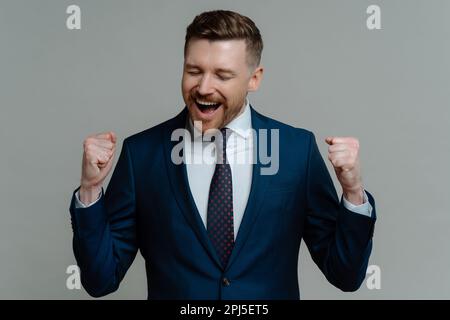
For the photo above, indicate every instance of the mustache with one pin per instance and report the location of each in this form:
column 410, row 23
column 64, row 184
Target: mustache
column 206, row 98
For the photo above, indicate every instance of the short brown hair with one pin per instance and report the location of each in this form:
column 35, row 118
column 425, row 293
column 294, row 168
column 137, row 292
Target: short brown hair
column 227, row 25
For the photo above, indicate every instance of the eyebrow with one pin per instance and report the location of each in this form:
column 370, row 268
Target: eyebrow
column 219, row 70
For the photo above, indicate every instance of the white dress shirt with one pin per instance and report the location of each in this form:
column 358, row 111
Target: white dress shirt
column 239, row 146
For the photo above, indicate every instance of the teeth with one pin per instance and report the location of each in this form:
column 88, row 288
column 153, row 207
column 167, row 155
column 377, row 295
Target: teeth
column 206, row 103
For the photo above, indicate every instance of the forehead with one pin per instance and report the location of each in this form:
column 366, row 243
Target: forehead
column 217, row 53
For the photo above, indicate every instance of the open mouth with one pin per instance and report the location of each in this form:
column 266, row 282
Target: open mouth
column 206, row 106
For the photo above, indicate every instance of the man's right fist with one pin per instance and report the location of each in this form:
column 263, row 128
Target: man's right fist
column 98, row 157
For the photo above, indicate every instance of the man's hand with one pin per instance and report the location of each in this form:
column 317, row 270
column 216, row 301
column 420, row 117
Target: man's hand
column 343, row 153
column 98, row 158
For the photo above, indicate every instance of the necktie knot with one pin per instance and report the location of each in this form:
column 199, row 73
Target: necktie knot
column 223, row 148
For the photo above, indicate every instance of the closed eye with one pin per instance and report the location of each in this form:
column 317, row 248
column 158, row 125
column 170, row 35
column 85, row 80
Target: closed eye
column 223, row 78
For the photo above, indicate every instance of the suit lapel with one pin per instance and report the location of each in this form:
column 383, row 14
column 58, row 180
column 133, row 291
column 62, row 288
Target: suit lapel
column 180, row 185
column 256, row 196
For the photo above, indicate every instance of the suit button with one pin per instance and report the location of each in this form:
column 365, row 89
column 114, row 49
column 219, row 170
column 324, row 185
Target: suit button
column 226, row 282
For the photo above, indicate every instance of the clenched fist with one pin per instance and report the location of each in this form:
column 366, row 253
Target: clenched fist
column 343, row 153
column 98, row 156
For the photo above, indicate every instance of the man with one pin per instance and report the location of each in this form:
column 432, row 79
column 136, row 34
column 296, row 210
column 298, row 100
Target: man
column 220, row 230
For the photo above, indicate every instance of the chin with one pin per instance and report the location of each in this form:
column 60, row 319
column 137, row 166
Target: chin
column 212, row 121
column 209, row 125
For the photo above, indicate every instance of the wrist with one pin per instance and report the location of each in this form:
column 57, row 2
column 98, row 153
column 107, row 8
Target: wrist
column 89, row 194
column 354, row 196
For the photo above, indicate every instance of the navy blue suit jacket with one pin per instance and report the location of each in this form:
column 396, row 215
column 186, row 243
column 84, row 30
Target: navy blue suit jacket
column 148, row 206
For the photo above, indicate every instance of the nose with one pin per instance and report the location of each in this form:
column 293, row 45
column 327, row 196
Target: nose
column 205, row 86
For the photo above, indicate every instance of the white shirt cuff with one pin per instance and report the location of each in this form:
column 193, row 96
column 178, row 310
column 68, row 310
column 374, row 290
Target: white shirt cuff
column 365, row 209
column 79, row 204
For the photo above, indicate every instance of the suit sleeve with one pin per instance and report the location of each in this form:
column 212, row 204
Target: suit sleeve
column 104, row 234
column 339, row 240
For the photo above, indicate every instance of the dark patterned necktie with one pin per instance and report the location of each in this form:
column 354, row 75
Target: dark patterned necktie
column 220, row 225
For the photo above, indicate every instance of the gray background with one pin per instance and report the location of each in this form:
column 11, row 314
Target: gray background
column 324, row 71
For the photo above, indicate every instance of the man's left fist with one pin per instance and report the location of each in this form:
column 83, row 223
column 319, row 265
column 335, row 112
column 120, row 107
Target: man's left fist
column 343, row 153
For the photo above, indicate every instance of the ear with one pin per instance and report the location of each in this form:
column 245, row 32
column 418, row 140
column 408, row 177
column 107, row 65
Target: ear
column 255, row 79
